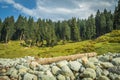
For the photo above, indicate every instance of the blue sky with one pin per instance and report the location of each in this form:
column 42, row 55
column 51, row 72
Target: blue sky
column 53, row 9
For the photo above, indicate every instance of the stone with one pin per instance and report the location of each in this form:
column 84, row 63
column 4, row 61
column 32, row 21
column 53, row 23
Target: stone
column 98, row 71
column 28, row 76
column 116, row 61
column 60, row 77
column 113, row 76
column 103, row 78
column 106, row 64
column 82, row 69
column 12, row 72
column 4, row 78
column 33, row 65
column 67, row 72
column 93, row 60
column 61, row 63
column 90, row 65
column 74, row 65
column 55, row 70
column 115, row 69
column 87, row 79
column 89, row 73
column 105, row 72
column 104, row 58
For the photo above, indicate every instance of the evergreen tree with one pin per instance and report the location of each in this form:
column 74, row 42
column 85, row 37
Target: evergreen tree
column 20, row 26
column 117, row 16
column 0, row 28
column 102, row 24
column 8, row 29
column 75, row 34
column 97, row 23
column 90, row 28
column 65, row 31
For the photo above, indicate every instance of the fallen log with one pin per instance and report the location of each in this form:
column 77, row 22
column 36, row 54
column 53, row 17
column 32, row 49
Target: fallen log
column 68, row 58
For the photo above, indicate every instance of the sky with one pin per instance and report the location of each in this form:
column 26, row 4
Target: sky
column 54, row 9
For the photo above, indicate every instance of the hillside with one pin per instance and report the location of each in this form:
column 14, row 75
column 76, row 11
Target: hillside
column 107, row 43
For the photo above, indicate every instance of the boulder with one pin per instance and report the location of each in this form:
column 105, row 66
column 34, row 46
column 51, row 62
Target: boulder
column 89, row 73
column 116, row 61
column 67, row 72
column 87, row 79
column 60, row 77
column 55, row 70
column 74, row 65
column 103, row 78
column 61, row 63
column 106, row 65
column 28, row 76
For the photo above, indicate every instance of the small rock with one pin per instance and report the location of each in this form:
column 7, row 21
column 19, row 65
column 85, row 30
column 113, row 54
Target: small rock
column 103, row 78
column 90, row 65
column 28, row 76
column 89, row 73
column 4, row 78
column 116, row 61
column 87, row 79
column 60, row 77
column 106, row 65
column 61, row 63
column 67, row 72
column 55, row 70
column 74, row 65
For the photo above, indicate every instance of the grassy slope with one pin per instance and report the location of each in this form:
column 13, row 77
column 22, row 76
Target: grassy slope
column 103, row 44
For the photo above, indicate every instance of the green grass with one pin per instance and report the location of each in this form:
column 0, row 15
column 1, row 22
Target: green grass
column 103, row 44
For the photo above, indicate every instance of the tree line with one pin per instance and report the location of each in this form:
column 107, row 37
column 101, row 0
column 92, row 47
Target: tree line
column 36, row 32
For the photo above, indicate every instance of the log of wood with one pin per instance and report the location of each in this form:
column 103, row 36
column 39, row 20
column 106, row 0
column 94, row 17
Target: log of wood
column 68, row 58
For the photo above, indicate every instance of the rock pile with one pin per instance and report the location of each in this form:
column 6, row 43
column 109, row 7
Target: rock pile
column 103, row 67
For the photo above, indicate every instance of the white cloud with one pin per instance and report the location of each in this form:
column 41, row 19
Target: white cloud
column 81, row 9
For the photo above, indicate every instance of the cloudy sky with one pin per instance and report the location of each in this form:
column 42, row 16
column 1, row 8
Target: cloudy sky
column 53, row 9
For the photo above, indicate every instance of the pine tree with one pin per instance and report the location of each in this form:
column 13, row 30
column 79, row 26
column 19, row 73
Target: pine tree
column 97, row 23
column 117, row 16
column 0, row 28
column 8, row 29
column 75, row 34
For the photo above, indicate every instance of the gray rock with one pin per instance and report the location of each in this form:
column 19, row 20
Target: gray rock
column 46, row 76
column 104, row 58
column 67, row 72
column 82, row 69
column 61, row 63
column 105, row 72
column 106, row 64
column 93, row 60
column 90, row 65
column 55, row 70
column 74, row 65
column 103, row 78
column 116, row 61
column 113, row 76
column 28, row 76
column 115, row 69
column 98, row 71
column 60, row 77
column 89, row 73
column 87, row 79
column 4, row 78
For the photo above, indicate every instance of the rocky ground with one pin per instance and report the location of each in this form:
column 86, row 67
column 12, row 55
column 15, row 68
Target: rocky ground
column 103, row 67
